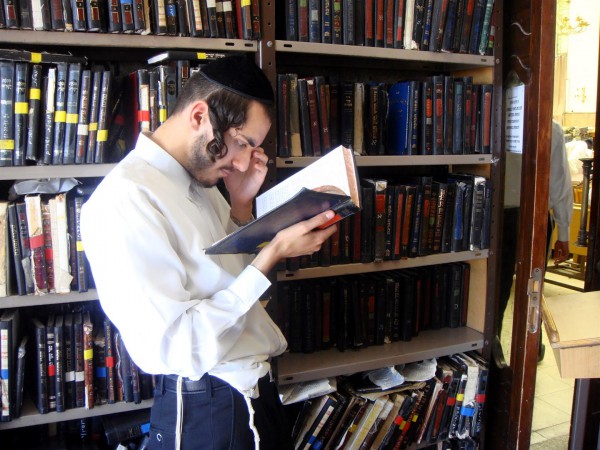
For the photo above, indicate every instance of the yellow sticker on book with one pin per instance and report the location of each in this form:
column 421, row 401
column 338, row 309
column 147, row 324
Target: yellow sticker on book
column 102, row 135
column 60, row 116
column 21, row 107
column 79, row 246
column 200, row 55
column 460, row 397
column 36, row 57
column 93, row 126
column 246, row 3
column 72, row 118
column 35, row 93
column 7, row 144
column 162, row 115
column 88, row 354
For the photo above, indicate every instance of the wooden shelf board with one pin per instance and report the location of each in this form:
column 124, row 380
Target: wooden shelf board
column 355, row 268
column 61, row 171
column 390, row 160
column 457, row 60
column 22, row 301
column 298, row 367
column 30, row 415
column 93, row 40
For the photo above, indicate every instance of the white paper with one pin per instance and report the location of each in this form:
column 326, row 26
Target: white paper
column 513, row 121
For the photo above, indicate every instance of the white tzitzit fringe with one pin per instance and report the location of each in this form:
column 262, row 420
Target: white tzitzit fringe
column 179, row 429
column 251, row 422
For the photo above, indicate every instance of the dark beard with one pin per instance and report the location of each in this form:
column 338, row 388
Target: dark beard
column 200, row 161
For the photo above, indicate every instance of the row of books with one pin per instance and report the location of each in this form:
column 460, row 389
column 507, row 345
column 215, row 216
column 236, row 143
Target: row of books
column 41, row 244
column 462, row 26
column 407, row 218
column 54, row 114
column 438, row 115
column 359, row 415
column 72, row 359
column 365, row 310
column 231, row 19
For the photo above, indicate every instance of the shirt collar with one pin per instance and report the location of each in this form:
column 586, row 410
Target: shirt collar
column 157, row 157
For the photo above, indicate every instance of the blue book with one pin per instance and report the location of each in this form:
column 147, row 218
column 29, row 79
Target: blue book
column 398, row 119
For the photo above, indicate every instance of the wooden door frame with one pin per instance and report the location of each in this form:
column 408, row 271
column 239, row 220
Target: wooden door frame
column 529, row 46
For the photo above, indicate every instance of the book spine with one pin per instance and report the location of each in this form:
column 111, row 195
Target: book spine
column 88, row 360
column 21, row 83
column 60, row 113
column 72, row 116
column 127, row 13
column 7, row 116
column 93, row 15
column 83, row 116
column 103, row 119
column 36, row 242
column 139, row 16
column 33, row 116
column 48, row 254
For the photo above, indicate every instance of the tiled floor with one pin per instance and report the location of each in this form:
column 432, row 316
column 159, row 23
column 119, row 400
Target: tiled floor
column 553, row 394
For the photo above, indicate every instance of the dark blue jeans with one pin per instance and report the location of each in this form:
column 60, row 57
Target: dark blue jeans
column 216, row 417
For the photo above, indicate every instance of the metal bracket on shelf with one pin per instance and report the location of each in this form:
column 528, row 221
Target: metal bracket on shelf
column 534, row 290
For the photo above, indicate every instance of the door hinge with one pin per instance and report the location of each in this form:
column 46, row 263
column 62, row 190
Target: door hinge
column 534, row 292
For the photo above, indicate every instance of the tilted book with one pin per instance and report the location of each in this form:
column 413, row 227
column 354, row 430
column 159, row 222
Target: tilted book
column 328, row 183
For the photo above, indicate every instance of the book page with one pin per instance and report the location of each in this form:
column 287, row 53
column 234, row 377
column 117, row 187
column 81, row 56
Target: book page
column 328, row 170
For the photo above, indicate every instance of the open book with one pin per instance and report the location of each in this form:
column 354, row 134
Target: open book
column 328, row 183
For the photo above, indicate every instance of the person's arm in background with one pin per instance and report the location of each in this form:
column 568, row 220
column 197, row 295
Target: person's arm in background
column 561, row 193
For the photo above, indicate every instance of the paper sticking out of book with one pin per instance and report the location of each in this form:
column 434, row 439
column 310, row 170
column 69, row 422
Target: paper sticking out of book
column 329, row 183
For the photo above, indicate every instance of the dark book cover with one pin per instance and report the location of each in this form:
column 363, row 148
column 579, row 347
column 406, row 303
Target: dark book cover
column 485, row 126
column 455, row 295
column 78, row 361
column 69, row 361
column 183, row 23
column 256, row 31
column 48, row 250
column 427, row 29
column 211, row 11
column 399, row 206
column 51, row 358
column 109, row 353
column 9, row 342
column 294, row 116
column 194, row 14
column 57, row 16
column 72, row 114
column 468, row 147
column 21, row 105
column 115, row 23
column 68, row 15
column 26, row 262
column 291, row 20
column 448, row 114
column 458, row 116
column 125, row 426
column 424, row 243
column 367, row 222
column 439, row 217
column 60, row 112
column 388, row 23
column 78, row 13
column 126, row 7
column 21, row 365
column 467, row 25
column 486, row 25
column 314, row 20
column 25, row 16
column 48, row 104
column 7, row 112
column 326, row 21
column 322, row 95
column 347, row 114
column 458, row 24
column 59, row 362
column 139, row 16
column 407, row 221
column 15, row 248
column 306, row 204
column 82, row 133
column 380, row 217
column 359, row 13
column 399, row 23
column 348, row 22
column 476, row 25
column 100, row 150
column 305, row 126
column 159, row 17
column 449, row 222
column 390, row 219
column 337, row 22
column 283, row 116
column 93, row 15
column 313, row 114
column 94, row 102
column 100, row 384
column 88, row 359
column 398, row 119
column 448, row 37
column 41, row 366
column 418, row 16
column 438, row 22
column 171, row 16
column 426, row 117
column 437, row 87
column 82, row 267
column 416, row 223
column 32, row 152
column 369, row 22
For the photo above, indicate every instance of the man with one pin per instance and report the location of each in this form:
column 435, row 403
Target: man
column 560, row 203
column 192, row 318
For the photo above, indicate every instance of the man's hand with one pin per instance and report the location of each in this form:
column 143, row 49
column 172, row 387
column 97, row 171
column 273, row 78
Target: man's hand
column 243, row 186
column 303, row 238
column 561, row 252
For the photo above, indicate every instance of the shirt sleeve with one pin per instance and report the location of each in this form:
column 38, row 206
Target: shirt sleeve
column 560, row 189
column 147, row 293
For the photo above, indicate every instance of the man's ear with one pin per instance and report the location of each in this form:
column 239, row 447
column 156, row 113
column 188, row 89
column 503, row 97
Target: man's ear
column 199, row 115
